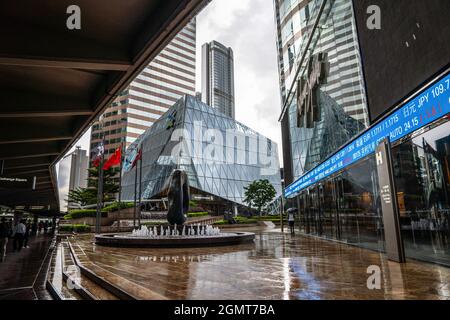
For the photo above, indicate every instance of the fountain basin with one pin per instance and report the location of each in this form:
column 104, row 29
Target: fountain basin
column 222, row 239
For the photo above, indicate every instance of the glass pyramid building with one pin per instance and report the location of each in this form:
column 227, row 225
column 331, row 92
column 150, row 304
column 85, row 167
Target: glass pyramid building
column 220, row 155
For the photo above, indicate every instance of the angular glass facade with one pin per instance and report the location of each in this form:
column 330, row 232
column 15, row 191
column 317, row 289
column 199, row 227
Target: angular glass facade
column 325, row 115
column 220, row 155
column 340, row 95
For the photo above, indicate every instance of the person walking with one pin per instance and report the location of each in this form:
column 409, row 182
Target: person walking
column 291, row 219
column 19, row 233
column 45, row 227
column 34, row 228
column 26, row 236
column 41, row 225
column 4, row 234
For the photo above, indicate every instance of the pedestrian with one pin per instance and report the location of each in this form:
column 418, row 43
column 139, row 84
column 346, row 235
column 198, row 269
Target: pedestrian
column 26, row 236
column 291, row 219
column 45, row 226
column 4, row 234
column 19, row 233
column 41, row 225
column 34, row 228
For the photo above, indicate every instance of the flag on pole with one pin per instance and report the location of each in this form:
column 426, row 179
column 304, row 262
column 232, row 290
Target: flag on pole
column 98, row 155
column 114, row 160
column 138, row 157
column 130, row 157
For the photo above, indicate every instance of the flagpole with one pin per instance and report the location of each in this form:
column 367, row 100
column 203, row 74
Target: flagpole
column 120, row 185
column 140, row 189
column 100, row 187
column 135, row 196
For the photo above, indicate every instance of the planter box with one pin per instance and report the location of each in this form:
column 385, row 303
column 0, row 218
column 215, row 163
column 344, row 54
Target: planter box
column 124, row 214
column 237, row 225
column 90, row 221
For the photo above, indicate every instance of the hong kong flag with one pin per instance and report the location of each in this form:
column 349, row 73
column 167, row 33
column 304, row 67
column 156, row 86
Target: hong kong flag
column 114, row 160
column 98, row 155
column 138, row 157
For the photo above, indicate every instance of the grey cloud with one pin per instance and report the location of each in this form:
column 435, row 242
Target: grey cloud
column 250, row 31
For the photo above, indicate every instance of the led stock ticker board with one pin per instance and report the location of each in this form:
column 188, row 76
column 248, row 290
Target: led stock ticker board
column 429, row 105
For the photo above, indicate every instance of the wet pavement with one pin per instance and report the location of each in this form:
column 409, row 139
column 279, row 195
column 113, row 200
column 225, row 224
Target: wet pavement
column 22, row 274
column 275, row 266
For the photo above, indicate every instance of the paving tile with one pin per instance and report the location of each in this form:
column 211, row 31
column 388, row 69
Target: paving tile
column 276, row 266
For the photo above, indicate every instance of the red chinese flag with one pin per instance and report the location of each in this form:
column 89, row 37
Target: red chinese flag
column 96, row 162
column 114, row 160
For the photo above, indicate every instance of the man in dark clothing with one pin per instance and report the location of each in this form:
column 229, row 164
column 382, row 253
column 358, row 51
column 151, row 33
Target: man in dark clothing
column 19, row 233
column 26, row 236
column 34, row 228
column 4, row 234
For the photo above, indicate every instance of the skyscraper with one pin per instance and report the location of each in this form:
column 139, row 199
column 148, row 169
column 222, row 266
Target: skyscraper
column 218, row 77
column 313, row 100
column 78, row 169
column 167, row 78
column 73, row 174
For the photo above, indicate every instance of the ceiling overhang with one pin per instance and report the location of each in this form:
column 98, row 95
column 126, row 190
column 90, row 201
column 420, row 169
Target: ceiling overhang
column 54, row 82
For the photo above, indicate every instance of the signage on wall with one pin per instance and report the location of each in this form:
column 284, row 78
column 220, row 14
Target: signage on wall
column 16, row 182
column 429, row 105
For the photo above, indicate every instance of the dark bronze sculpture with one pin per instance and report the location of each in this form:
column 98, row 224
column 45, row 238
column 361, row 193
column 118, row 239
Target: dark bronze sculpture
column 178, row 197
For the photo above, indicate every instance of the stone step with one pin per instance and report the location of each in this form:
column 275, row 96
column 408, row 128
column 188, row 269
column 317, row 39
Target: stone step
column 56, row 283
column 116, row 285
column 88, row 289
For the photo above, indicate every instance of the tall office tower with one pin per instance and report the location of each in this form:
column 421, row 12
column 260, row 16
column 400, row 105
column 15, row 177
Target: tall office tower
column 78, row 169
column 167, row 78
column 324, row 103
column 76, row 164
column 218, row 77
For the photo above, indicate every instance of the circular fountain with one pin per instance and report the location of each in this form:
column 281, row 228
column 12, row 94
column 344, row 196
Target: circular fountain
column 175, row 235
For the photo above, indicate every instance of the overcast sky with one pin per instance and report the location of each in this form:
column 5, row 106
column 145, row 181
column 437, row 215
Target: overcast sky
column 248, row 27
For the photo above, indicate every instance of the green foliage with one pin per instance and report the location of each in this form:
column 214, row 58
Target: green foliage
column 82, row 196
column 115, row 206
column 239, row 220
column 83, row 213
column 197, row 214
column 80, row 228
column 193, row 203
column 244, row 220
column 87, row 196
column 274, row 218
column 259, row 194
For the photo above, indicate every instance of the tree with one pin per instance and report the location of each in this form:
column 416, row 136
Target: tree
column 259, row 194
column 87, row 196
column 82, row 196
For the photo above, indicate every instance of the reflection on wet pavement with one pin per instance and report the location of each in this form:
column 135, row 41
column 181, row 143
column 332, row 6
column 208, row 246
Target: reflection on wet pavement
column 275, row 266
